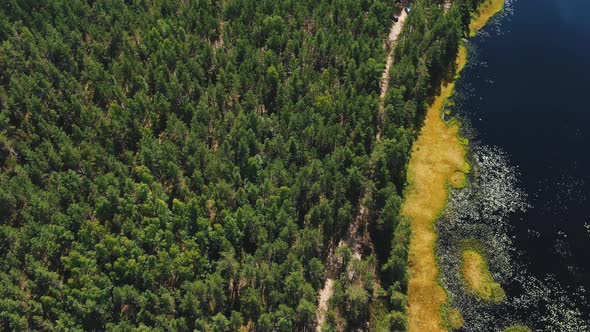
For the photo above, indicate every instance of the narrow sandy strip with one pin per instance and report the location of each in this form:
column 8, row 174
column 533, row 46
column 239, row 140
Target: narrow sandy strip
column 394, row 32
column 325, row 295
column 396, row 29
column 447, row 5
column 352, row 238
column 333, row 263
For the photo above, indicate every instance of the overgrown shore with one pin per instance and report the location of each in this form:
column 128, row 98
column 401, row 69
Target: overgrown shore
column 477, row 249
column 484, row 13
column 438, row 161
column 190, row 165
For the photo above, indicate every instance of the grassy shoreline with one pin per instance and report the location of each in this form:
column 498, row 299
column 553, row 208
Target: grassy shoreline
column 484, row 13
column 438, row 160
column 478, row 278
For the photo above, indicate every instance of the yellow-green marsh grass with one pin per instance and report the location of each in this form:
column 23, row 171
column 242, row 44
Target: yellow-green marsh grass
column 455, row 319
column 484, row 13
column 518, row 328
column 478, row 278
column 437, row 161
column 437, row 155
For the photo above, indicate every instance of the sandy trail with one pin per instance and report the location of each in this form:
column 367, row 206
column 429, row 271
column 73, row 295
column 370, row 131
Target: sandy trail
column 354, row 241
column 447, row 5
column 396, row 29
column 353, row 238
column 394, row 32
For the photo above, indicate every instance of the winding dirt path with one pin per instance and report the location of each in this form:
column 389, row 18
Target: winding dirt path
column 396, row 29
column 354, row 241
column 394, row 32
column 353, row 237
column 447, row 5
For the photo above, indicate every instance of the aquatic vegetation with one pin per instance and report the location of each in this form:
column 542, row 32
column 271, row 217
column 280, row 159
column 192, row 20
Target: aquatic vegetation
column 455, row 319
column 488, row 209
column 482, row 211
column 476, row 212
column 478, row 278
column 493, row 192
column 479, row 210
column 437, row 163
column 517, row 328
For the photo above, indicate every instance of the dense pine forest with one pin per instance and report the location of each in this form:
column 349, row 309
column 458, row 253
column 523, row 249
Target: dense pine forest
column 188, row 165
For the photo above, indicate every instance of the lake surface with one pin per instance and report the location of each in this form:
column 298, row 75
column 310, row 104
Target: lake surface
column 526, row 91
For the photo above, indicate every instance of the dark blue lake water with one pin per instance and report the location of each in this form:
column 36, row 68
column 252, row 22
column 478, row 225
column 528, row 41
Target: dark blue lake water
column 527, row 92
